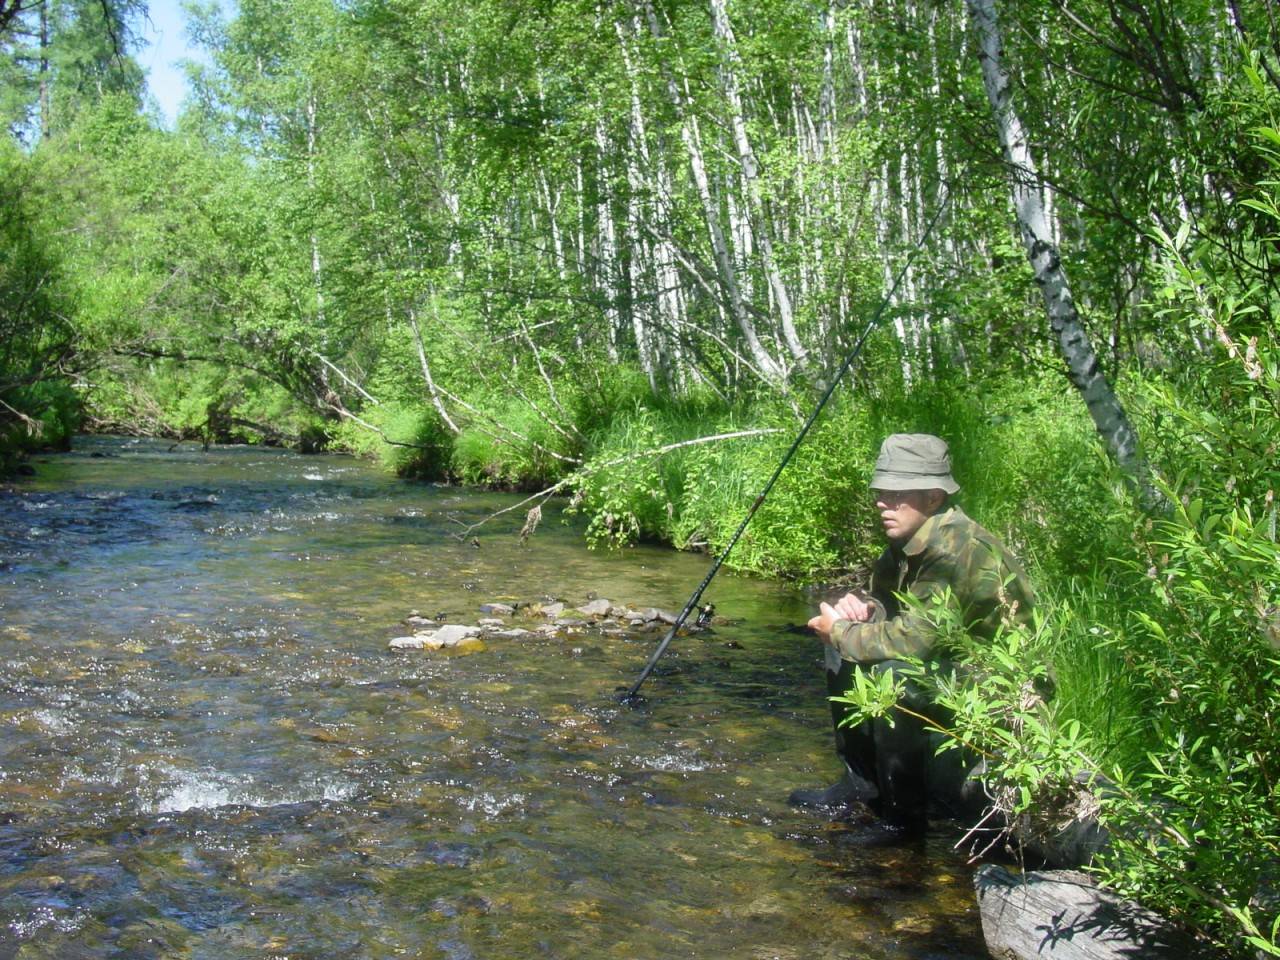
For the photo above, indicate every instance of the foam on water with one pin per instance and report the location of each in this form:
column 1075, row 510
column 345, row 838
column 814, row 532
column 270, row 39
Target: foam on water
column 44, row 917
column 492, row 805
column 208, row 790
column 53, row 721
column 669, row 763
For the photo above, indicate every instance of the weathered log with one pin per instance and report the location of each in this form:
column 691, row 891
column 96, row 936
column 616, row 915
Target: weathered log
column 1063, row 915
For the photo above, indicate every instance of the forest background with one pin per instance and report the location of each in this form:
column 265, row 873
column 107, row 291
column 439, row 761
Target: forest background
column 615, row 250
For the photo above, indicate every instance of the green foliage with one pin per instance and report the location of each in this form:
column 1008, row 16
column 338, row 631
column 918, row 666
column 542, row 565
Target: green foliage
column 37, row 405
column 994, row 692
column 1167, row 660
column 407, row 438
column 1198, row 827
column 513, row 445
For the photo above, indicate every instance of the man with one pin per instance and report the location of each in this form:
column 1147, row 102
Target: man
column 933, row 548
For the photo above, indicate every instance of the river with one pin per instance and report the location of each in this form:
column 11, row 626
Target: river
column 209, row 751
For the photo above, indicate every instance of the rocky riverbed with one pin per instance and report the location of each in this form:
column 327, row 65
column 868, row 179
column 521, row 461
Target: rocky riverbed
column 546, row 618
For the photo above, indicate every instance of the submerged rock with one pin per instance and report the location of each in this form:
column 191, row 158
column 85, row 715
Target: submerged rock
column 662, row 616
column 497, row 609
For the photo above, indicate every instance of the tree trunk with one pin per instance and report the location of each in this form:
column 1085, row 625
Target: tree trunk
column 44, row 71
column 691, row 135
column 751, row 179
column 1073, row 340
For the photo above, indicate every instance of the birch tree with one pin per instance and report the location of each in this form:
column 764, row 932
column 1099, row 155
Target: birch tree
column 1043, row 254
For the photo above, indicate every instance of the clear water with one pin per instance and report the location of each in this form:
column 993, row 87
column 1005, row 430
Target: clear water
column 207, row 749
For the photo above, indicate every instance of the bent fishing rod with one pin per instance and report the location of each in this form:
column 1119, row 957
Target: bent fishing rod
column 630, row 695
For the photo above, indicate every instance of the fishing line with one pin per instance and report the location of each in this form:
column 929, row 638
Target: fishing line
column 630, row 695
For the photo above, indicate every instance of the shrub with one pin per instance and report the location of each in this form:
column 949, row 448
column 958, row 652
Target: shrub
column 407, row 438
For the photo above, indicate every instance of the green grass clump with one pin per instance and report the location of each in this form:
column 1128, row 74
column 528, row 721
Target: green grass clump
column 407, row 438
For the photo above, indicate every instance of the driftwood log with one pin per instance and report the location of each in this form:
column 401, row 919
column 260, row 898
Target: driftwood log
column 1062, row 915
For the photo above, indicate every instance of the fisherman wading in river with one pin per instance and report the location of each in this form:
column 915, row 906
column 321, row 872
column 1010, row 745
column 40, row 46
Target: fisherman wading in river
column 933, row 548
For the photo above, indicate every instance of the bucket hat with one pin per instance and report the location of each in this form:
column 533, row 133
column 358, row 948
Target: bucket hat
column 913, row 461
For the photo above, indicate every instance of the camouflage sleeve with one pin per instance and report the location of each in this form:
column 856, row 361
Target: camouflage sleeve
column 909, row 634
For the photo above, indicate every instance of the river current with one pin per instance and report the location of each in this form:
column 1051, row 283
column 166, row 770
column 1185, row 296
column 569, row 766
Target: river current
column 207, row 749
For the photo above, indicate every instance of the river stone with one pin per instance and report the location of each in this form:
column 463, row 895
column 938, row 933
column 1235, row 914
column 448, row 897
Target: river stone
column 596, row 608
column 491, row 622
column 551, row 610
column 654, row 615
column 514, row 633
column 497, row 609
column 414, row 620
column 418, row 641
column 451, row 634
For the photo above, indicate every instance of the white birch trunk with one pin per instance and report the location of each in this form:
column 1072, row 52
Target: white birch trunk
column 1046, row 262
column 317, row 273
column 606, row 267
column 432, row 390
column 750, row 171
column 636, row 180
column 690, row 134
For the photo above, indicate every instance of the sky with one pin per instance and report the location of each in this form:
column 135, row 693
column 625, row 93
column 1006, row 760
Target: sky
column 165, row 33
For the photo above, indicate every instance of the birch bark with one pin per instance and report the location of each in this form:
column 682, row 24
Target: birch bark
column 1064, row 319
column 750, row 171
column 691, row 135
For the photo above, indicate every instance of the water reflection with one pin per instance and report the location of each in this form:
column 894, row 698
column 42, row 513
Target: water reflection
column 209, row 750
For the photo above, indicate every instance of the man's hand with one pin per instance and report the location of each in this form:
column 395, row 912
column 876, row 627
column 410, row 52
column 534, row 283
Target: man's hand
column 853, row 607
column 848, row 607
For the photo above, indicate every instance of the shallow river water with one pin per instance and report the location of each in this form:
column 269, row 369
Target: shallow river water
column 207, row 749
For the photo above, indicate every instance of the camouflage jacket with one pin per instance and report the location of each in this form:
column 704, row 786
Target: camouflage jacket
column 949, row 550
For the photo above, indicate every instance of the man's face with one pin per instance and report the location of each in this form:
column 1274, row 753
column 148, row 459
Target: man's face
column 903, row 512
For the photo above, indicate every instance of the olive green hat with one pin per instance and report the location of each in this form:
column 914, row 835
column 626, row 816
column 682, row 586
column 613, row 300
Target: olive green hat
column 914, row 461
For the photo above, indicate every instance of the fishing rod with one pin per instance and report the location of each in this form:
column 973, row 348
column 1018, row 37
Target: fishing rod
column 795, row 445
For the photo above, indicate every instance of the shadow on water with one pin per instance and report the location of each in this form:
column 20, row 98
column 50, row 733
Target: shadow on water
column 210, row 752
